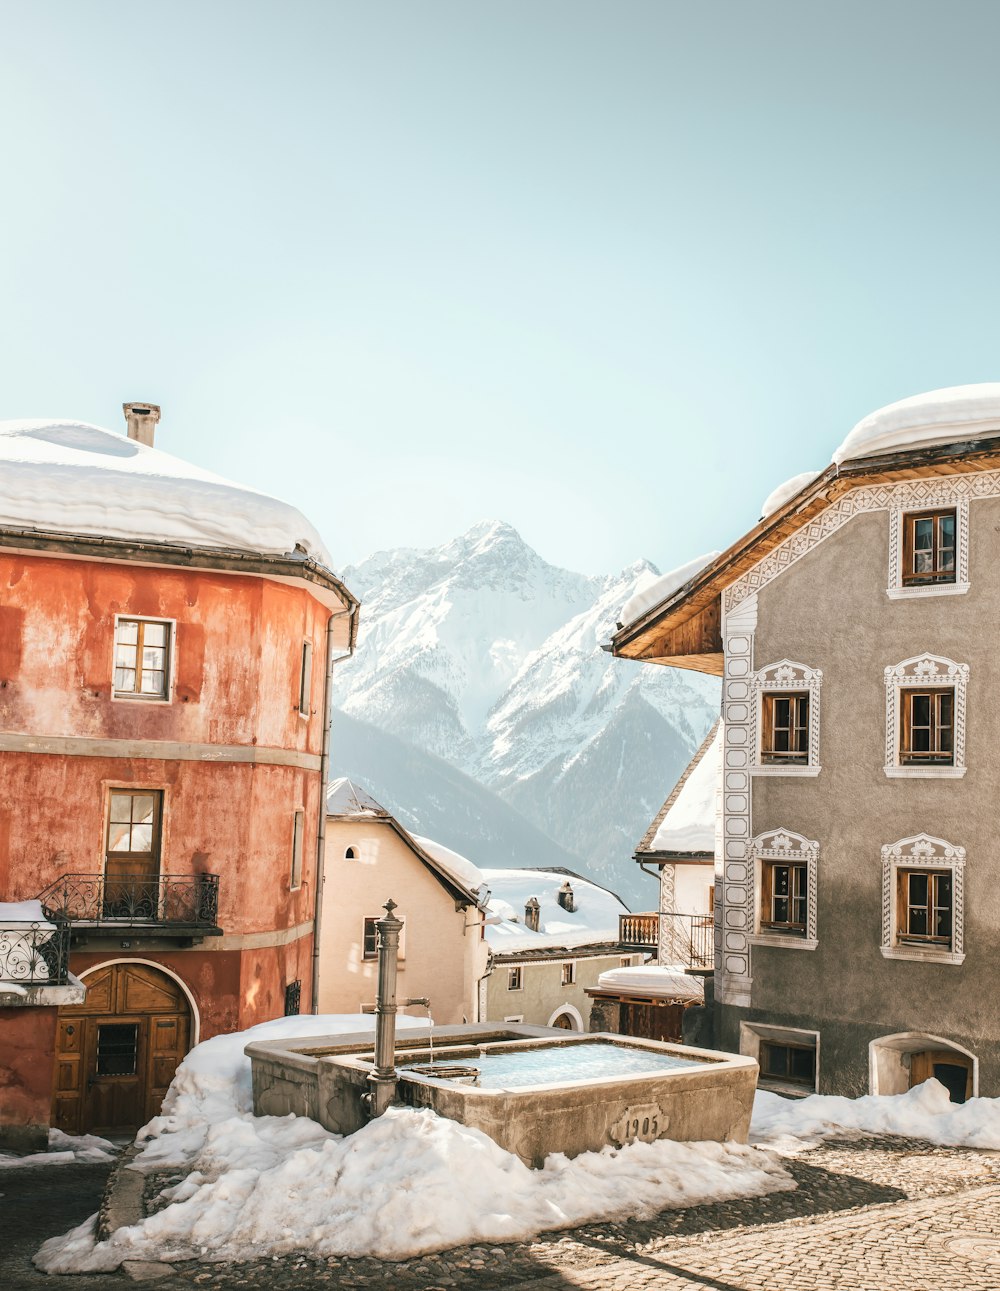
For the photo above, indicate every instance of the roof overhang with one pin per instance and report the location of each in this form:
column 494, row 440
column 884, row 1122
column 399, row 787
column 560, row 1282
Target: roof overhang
column 685, row 630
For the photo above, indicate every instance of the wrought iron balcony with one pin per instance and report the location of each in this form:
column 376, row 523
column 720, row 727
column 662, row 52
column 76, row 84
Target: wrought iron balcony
column 685, row 939
column 181, row 905
column 33, row 954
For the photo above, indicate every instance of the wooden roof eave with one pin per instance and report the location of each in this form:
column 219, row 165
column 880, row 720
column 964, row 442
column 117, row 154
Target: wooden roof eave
column 653, row 635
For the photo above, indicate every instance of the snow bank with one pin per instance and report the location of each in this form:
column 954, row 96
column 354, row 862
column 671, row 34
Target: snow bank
column 70, row 477
column 924, row 1112
column 785, row 492
column 64, row 1149
column 410, row 1182
column 594, row 920
column 652, row 588
column 689, row 825
column 653, row 979
column 955, row 413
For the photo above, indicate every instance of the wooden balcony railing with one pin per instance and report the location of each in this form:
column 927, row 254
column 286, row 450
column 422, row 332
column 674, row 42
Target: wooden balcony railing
column 685, row 939
column 639, row 931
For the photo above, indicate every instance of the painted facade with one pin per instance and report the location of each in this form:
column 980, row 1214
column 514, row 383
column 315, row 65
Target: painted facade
column 874, row 984
column 212, row 887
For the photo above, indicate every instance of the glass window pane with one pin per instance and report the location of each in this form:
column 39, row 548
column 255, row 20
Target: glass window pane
column 153, row 657
column 781, row 880
column 125, row 679
column 118, row 838
column 128, row 630
column 918, row 889
column 144, row 807
column 117, row 1048
column 125, row 656
column 803, row 1064
column 775, row 1060
column 152, row 683
column 781, row 909
column 921, row 710
column 154, row 634
column 121, row 807
column 947, row 531
column 923, row 534
column 142, row 838
column 917, row 926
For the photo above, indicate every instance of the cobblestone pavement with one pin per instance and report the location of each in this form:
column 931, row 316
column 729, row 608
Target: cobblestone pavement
column 871, row 1214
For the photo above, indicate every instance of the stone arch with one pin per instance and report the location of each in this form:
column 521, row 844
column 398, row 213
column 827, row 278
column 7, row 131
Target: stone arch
column 569, row 1014
column 890, row 1060
column 167, row 972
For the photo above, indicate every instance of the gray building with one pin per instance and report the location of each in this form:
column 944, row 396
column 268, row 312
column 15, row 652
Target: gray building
column 857, row 908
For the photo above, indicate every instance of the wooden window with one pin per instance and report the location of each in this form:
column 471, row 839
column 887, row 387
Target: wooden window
column 924, row 904
column 515, row 982
column 298, row 829
column 568, row 974
column 370, row 940
column 785, row 737
column 784, row 900
column 305, row 680
column 625, row 961
column 929, row 547
column 793, row 1064
column 142, row 659
column 928, row 726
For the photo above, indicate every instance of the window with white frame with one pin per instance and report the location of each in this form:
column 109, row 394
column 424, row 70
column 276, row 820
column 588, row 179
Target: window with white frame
column 515, row 978
column 142, row 659
column 923, row 900
column 929, row 550
column 568, row 974
column 305, row 680
column 786, row 701
column 925, row 702
column 785, row 887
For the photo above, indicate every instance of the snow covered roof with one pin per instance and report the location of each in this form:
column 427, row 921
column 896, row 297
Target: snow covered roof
column 461, row 871
column 652, row 588
column 785, row 492
column 685, row 824
column 594, row 920
column 937, row 417
column 664, row 980
column 72, row 478
column 345, row 798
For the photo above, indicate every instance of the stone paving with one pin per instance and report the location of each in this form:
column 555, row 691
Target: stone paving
column 871, row 1214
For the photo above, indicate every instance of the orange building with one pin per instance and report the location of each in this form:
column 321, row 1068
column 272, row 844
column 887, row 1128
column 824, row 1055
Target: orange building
column 166, row 644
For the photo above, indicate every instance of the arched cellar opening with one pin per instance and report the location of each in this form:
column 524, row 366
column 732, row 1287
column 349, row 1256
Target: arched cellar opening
column 899, row 1062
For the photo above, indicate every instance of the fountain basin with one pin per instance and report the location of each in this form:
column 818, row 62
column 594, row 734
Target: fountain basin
column 545, row 1090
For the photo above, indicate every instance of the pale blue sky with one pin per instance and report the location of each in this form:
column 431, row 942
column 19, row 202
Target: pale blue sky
column 608, row 271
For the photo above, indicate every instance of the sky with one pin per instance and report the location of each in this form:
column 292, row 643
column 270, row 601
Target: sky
column 607, row 271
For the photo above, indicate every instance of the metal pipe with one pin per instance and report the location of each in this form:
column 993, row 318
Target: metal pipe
column 383, row 1078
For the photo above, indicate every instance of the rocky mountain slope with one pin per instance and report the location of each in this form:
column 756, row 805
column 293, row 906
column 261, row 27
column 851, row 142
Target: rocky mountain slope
column 481, row 653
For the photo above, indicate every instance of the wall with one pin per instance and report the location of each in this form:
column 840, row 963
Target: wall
column 26, row 1056
column 543, row 993
column 443, row 958
column 830, row 610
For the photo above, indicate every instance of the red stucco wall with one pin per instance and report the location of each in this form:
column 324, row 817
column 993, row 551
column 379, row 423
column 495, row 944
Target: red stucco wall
column 27, row 1049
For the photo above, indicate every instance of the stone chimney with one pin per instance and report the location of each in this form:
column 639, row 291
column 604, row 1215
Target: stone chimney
column 566, row 898
column 142, row 419
column 532, row 913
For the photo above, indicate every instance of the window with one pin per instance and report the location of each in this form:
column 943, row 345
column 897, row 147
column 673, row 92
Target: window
column 117, row 1048
column 793, row 1064
column 928, row 726
column 784, row 900
column 924, row 906
column 514, row 979
column 785, row 736
column 349, row 855
column 785, row 716
column 929, row 547
column 298, row 827
column 293, row 998
column 925, row 705
column 142, row 659
column 568, row 974
column 369, row 939
column 625, row 961
column 305, row 680
column 923, row 900
column 785, row 882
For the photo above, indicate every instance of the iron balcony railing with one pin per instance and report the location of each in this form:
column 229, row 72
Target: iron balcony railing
column 685, row 939
column 169, row 900
column 33, row 954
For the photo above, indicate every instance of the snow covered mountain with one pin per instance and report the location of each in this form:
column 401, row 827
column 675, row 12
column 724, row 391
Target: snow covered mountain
column 483, row 654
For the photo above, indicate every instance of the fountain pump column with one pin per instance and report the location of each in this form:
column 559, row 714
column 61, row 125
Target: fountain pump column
column 383, row 1078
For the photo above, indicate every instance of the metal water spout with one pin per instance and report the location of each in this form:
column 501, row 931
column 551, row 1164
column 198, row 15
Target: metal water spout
column 383, row 1078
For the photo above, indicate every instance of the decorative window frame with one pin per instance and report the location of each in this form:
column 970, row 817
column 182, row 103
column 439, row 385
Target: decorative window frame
column 897, row 590
column 785, row 845
column 783, row 677
column 922, row 851
column 925, row 670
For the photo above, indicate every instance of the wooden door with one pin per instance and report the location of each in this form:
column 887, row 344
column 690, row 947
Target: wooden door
column 117, row 1052
column 652, row 1021
column 952, row 1069
column 132, row 860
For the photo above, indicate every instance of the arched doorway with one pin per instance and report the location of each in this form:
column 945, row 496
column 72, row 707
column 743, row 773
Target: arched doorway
column 117, row 1052
column 899, row 1062
column 566, row 1018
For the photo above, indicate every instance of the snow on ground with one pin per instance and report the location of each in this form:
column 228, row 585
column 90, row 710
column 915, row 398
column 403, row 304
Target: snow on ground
column 408, row 1183
column 924, row 1112
column 62, row 1150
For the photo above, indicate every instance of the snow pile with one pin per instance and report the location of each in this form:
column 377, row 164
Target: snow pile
column 410, row 1182
column 63, row 1150
column 459, row 870
column 689, row 825
column 785, row 492
column 70, row 477
column 938, row 417
column 653, row 979
column 594, row 919
column 924, row 1112
column 652, row 588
